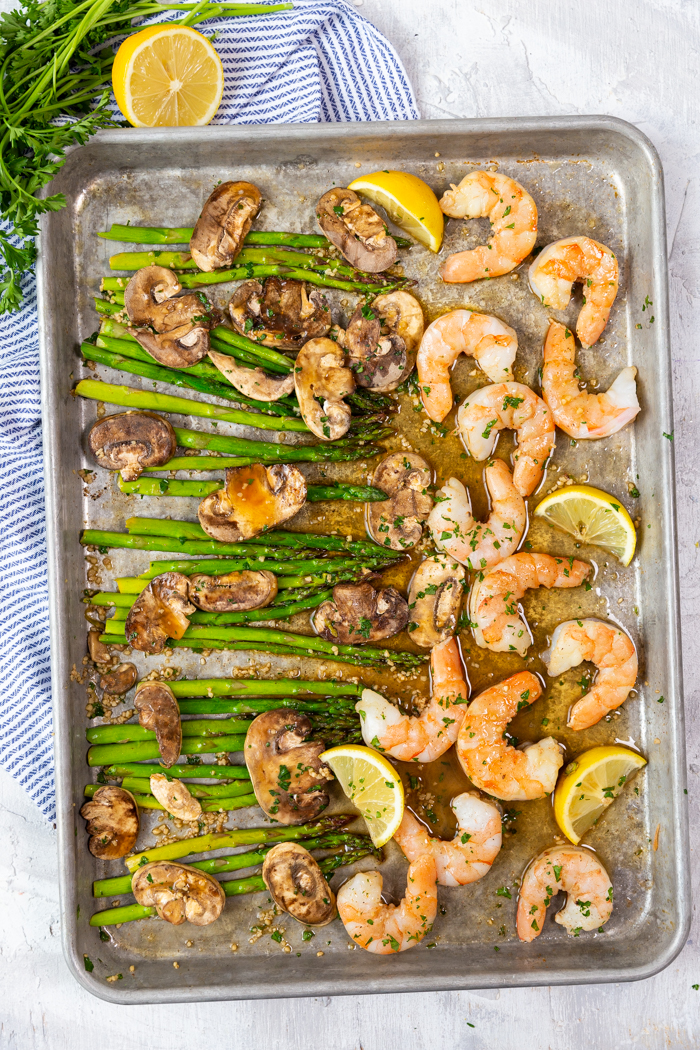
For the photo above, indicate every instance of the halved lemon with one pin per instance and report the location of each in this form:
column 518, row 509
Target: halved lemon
column 591, row 516
column 167, row 76
column 372, row 784
column 408, row 202
column 589, row 784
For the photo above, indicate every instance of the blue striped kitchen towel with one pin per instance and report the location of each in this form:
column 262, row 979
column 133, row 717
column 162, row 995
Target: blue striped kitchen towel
column 321, row 61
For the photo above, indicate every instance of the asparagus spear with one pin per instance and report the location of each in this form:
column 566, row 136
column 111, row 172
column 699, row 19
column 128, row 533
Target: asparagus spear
column 130, row 397
column 208, row 805
column 336, row 451
column 260, row 687
column 183, row 235
column 142, row 750
column 314, row 493
column 200, row 728
column 142, row 786
column 131, row 261
column 197, row 771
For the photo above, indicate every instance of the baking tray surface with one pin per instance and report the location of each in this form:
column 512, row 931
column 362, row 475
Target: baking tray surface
column 593, row 175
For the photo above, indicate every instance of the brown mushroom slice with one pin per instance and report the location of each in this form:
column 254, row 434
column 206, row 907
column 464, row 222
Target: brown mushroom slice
column 160, row 612
column 297, row 885
column 381, row 340
column 112, row 822
column 223, row 224
column 175, row 797
column 131, row 441
column 255, row 498
column 179, row 893
column 322, row 381
column 397, row 523
column 180, row 348
column 434, row 599
column 285, row 770
column 358, row 613
column 233, row 591
column 283, row 313
column 157, row 710
column 98, row 651
column 151, row 300
column 120, row 680
column 356, row 230
column 252, row 382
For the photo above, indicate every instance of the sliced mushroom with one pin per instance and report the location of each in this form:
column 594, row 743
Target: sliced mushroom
column 112, row 822
column 99, row 653
column 398, row 522
column 157, row 710
column 255, row 498
column 435, row 599
column 223, row 224
column 131, row 441
column 181, row 348
column 173, row 328
column 160, row 612
column 382, row 339
column 175, row 797
column 297, row 885
column 179, row 893
column 358, row 613
column 282, row 313
column 322, row 381
column 233, row 591
column 120, row 680
column 252, row 382
column 287, row 776
column 357, row 230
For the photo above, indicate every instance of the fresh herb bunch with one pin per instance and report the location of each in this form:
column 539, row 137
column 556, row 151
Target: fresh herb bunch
column 54, row 93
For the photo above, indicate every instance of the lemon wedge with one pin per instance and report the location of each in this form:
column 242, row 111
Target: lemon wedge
column 167, row 76
column 589, row 784
column 372, row 784
column 591, row 516
column 408, row 201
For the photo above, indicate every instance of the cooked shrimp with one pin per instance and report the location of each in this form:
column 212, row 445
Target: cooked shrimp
column 554, row 271
column 388, row 928
column 470, row 854
column 496, row 617
column 513, row 216
column 486, row 757
column 578, row 413
column 490, row 342
column 613, row 653
column 577, row 871
column 509, row 405
column 424, row 737
column 477, row 545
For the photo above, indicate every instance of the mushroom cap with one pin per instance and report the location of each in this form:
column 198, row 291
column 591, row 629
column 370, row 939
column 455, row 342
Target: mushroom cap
column 233, row 591
column 322, row 381
column 99, row 653
column 397, row 522
column 179, row 893
column 356, row 230
column 382, row 340
column 358, row 613
column 157, row 709
column 112, row 822
column 255, row 498
column 252, row 382
column 130, row 441
column 181, row 347
column 286, row 773
column 283, row 312
column 435, row 598
column 160, row 612
column 151, row 299
column 297, row 885
column 120, row 680
column 175, row 797
column 223, row 224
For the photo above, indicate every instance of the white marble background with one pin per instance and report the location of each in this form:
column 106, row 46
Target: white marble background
column 487, row 58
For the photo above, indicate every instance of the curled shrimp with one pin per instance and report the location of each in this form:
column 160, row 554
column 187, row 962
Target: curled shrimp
column 554, row 271
column 578, row 413
column 487, row 758
column 496, row 617
column 613, row 653
column 475, row 544
column 491, row 343
column 388, row 928
column 424, row 737
column 577, row 872
column 509, row 406
column 470, row 854
column 513, row 216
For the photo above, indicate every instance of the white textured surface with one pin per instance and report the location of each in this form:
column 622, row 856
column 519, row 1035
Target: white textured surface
column 465, row 58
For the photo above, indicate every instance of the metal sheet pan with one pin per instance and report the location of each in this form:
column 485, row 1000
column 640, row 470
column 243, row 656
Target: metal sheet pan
column 593, row 175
